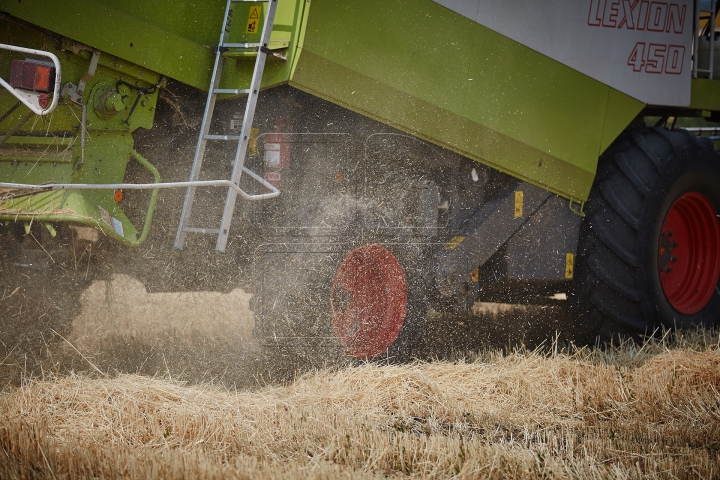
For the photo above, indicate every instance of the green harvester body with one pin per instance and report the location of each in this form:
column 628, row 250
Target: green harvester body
column 411, row 64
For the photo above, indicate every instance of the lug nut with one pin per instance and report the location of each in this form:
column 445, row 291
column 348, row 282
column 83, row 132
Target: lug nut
column 673, row 259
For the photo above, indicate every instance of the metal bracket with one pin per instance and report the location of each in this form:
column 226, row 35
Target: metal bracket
column 580, row 211
column 90, row 73
column 69, row 90
column 486, row 232
column 141, row 91
column 73, row 92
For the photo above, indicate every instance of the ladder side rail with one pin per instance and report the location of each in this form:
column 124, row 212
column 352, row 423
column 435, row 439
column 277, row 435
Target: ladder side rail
column 239, row 162
column 711, row 43
column 696, row 37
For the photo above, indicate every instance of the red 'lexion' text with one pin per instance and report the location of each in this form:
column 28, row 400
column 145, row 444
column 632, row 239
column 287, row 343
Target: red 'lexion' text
column 666, row 17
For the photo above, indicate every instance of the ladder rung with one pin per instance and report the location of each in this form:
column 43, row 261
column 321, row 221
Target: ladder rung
column 221, row 137
column 240, row 45
column 231, row 90
column 240, row 54
column 201, row 230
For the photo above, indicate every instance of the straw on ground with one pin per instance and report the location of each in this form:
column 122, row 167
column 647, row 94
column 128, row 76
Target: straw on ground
column 623, row 413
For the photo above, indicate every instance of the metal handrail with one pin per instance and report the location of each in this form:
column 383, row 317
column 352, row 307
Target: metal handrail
column 151, row 186
column 704, row 6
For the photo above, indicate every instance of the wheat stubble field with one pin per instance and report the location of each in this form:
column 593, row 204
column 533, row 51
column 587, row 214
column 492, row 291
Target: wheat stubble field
column 632, row 411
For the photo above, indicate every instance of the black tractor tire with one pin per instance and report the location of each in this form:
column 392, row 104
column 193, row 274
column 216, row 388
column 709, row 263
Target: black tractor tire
column 645, row 187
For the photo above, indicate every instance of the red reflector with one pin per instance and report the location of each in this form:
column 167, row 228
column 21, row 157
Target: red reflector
column 43, row 100
column 31, row 75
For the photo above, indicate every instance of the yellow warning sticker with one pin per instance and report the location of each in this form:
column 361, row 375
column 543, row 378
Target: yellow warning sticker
column 253, row 20
column 454, row 242
column 569, row 265
column 518, row 203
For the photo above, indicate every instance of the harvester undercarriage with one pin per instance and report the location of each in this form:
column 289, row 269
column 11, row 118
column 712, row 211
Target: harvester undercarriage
column 385, row 199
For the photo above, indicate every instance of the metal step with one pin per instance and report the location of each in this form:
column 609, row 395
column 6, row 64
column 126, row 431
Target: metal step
column 240, row 45
column 202, row 230
column 221, row 137
column 235, row 91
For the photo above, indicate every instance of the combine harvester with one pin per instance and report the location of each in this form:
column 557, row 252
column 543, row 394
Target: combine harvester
column 433, row 153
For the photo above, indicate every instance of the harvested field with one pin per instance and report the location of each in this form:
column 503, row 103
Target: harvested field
column 626, row 412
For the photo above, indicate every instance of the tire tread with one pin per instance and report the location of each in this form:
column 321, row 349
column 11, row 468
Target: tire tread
column 609, row 290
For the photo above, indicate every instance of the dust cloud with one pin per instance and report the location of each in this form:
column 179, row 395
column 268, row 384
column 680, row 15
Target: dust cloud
column 119, row 326
column 122, row 306
column 80, row 303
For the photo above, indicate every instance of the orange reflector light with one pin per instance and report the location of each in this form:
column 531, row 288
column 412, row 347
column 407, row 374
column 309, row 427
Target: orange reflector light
column 30, row 75
column 118, row 195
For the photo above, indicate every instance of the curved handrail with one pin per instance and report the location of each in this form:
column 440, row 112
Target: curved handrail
column 25, row 98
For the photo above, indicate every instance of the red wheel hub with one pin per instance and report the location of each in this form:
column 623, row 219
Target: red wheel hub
column 368, row 301
column 689, row 253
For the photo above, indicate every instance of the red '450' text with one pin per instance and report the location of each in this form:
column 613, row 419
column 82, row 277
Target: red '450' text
column 657, row 58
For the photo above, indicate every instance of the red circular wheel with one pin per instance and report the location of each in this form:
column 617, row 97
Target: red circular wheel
column 368, row 301
column 689, row 253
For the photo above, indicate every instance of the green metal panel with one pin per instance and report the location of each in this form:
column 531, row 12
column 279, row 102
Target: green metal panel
column 410, row 63
column 426, row 70
column 105, row 159
column 49, row 149
column 705, row 94
column 174, row 38
column 620, row 110
column 75, row 63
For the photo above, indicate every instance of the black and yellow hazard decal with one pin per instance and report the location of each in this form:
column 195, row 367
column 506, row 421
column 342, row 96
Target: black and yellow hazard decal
column 569, row 265
column 518, row 204
column 253, row 21
column 454, row 242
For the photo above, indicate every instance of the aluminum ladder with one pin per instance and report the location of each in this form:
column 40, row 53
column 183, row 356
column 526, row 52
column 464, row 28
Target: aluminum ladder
column 238, row 164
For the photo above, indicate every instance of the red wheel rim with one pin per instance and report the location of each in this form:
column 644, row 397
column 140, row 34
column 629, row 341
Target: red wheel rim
column 689, row 253
column 368, row 301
